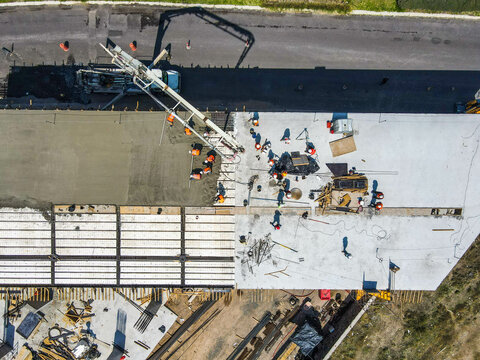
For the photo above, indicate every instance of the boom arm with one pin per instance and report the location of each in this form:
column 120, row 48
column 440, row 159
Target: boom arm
column 144, row 78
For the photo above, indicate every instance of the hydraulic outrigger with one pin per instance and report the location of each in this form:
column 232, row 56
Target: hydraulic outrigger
column 144, row 77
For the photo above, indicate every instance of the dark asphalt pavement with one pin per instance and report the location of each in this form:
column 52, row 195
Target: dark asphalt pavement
column 292, row 62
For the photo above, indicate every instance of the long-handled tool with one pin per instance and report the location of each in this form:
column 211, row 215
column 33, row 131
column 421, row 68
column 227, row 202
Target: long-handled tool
column 285, row 246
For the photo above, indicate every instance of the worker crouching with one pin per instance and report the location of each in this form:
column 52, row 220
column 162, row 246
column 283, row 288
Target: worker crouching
column 195, row 176
column 209, row 160
column 207, row 170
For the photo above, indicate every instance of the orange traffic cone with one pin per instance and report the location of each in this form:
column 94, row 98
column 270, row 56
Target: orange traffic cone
column 64, row 46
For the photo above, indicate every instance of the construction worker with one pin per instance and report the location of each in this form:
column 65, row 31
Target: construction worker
column 210, row 159
column 258, row 146
column 220, row 198
column 196, row 149
column 207, row 169
column 188, row 131
column 377, row 195
column 170, row 119
column 195, row 176
column 378, row 206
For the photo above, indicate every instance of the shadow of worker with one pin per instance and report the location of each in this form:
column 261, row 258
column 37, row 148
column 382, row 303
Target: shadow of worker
column 119, row 337
column 344, row 251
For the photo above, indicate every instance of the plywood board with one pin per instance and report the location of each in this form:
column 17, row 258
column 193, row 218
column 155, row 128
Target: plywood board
column 343, row 146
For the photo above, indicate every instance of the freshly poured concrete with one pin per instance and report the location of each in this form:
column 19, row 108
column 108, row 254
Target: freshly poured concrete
column 97, row 157
column 426, row 161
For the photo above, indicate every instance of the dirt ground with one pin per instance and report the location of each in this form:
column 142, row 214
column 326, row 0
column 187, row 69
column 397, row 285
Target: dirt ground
column 445, row 325
column 98, row 158
column 238, row 315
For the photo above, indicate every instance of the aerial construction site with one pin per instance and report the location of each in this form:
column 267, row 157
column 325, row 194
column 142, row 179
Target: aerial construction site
column 136, row 222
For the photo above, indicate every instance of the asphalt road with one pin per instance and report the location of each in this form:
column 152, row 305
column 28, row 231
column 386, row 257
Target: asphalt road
column 292, row 62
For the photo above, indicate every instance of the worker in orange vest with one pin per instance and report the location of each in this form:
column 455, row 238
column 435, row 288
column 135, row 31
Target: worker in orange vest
column 207, row 170
column 311, row 149
column 170, row 119
column 196, row 149
column 377, row 195
column 210, row 159
column 188, row 131
column 195, row 176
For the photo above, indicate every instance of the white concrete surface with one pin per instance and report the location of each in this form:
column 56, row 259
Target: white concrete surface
column 114, row 324
column 418, row 160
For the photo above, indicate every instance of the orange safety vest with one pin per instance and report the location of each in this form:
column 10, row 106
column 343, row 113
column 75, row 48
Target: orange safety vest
column 196, row 176
column 210, row 158
column 379, row 206
column 170, row 118
column 207, row 170
column 195, row 152
column 188, row 131
column 220, row 199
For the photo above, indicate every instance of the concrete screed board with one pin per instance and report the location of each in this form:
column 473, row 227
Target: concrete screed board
column 417, row 160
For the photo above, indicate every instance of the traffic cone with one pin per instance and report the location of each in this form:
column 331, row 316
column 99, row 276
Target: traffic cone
column 133, row 45
column 64, row 46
